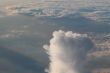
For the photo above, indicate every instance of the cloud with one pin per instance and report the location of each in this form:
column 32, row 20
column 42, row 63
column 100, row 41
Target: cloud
column 23, row 10
column 97, row 10
column 13, row 33
column 32, row 10
column 67, row 52
column 101, row 15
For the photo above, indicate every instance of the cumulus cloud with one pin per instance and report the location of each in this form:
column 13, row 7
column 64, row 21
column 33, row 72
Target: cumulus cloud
column 68, row 51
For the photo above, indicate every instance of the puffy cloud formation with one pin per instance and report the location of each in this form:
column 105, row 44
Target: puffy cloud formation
column 67, row 52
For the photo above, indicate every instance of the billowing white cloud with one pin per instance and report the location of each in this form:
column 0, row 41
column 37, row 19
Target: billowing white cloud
column 67, row 52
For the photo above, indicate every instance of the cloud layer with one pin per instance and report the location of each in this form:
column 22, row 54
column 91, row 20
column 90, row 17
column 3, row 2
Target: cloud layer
column 95, row 10
column 67, row 52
